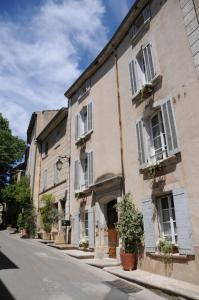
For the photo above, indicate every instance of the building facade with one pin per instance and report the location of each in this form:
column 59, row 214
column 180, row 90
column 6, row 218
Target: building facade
column 53, row 144
column 133, row 115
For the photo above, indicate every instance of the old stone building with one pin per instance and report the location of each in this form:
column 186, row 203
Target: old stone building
column 134, row 123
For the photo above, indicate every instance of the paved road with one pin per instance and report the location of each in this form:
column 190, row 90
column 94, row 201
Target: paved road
column 30, row 270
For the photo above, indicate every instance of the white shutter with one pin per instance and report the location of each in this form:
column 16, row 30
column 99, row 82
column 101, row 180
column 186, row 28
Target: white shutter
column 77, row 175
column 169, row 127
column 91, row 237
column 141, row 143
column 90, row 116
column 56, row 174
column 183, row 221
column 45, row 176
column 133, row 76
column 90, row 168
column 76, row 126
column 76, row 234
column 149, row 233
column 148, row 60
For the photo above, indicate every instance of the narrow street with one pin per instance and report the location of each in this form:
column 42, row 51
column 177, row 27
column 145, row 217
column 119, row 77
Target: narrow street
column 30, row 270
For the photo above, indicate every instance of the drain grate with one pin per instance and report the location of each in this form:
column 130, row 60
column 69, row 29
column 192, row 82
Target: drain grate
column 124, row 286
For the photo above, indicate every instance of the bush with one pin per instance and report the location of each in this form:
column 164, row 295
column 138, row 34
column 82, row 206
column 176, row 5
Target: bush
column 49, row 214
column 130, row 224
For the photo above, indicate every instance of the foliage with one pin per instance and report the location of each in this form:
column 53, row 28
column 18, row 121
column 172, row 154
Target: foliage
column 26, row 219
column 11, row 147
column 20, row 193
column 49, row 213
column 166, row 248
column 130, row 224
column 83, row 243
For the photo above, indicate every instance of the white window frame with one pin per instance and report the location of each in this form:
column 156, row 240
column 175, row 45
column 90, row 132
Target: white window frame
column 45, row 179
column 138, row 77
column 84, row 170
column 84, row 125
column 173, row 237
column 152, row 155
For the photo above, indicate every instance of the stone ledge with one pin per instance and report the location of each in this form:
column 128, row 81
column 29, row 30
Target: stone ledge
column 163, row 283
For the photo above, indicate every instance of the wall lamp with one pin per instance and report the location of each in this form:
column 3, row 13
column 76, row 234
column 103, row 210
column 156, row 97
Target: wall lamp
column 59, row 163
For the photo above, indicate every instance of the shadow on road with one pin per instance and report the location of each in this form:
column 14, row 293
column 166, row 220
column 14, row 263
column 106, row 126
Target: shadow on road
column 4, row 292
column 6, row 263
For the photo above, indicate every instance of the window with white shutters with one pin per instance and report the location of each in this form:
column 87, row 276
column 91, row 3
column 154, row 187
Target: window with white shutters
column 167, row 219
column 157, row 135
column 45, row 177
column 138, row 24
column 55, row 174
column 141, row 69
column 84, row 177
column 84, row 121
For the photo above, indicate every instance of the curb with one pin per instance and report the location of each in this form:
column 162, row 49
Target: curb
column 164, row 289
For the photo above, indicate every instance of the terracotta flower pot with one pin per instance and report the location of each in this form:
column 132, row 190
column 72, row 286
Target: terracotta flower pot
column 128, row 261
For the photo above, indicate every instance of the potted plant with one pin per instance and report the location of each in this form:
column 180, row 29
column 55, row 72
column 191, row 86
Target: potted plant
column 83, row 243
column 130, row 231
column 48, row 214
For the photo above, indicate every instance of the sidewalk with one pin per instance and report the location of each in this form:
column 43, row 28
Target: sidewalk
column 169, row 285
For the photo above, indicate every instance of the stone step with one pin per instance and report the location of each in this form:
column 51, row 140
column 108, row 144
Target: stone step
column 102, row 263
column 79, row 254
column 62, row 246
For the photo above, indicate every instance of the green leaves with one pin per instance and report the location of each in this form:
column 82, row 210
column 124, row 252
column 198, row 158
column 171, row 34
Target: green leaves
column 11, row 147
column 130, row 223
column 49, row 213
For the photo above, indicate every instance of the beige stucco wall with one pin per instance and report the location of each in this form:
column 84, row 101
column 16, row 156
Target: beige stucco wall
column 60, row 189
column 33, row 163
column 104, row 141
column 173, row 59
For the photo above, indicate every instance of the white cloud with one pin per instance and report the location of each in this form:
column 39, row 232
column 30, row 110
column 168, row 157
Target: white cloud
column 40, row 59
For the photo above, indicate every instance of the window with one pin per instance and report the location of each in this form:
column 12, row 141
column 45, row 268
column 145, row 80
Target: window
column 142, row 69
column 84, row 89
column 159, row 147
column 56, row 174
column 86, row 223
column 143, row 17
column 156, row 135
column 84, row 172
column 167, row 219
column 45, row 177
column 84, row 121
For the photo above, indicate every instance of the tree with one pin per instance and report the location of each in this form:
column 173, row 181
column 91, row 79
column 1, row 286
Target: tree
column 12, row 148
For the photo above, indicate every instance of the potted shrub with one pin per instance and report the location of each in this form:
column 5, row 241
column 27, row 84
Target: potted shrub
column 48, row 214
column 83, row 243
column 130, row 231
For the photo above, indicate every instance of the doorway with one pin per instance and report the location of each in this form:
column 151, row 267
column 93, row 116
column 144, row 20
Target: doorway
column 112, row 218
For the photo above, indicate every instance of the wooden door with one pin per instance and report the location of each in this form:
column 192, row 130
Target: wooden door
column 112, row 233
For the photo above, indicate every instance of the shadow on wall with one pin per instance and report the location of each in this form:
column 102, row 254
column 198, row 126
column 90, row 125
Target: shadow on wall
column 6, row 263
column 4, row 292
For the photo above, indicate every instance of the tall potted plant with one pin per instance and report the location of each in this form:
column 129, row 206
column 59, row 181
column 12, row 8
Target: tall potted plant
column 130, row 231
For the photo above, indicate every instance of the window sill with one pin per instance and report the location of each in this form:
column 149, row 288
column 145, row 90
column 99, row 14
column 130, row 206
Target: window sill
column 175, row 256
column 162, row 163
column 144, row 93
column 82, row 192
column 84, row 138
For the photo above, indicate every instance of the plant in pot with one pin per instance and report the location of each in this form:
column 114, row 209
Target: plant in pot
column 130, row 230
column 48, row 214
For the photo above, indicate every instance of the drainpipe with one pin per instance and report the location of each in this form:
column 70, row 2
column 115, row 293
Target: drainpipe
column 120, row 122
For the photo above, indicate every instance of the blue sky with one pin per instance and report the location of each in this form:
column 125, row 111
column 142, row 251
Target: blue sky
column 45, row 45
